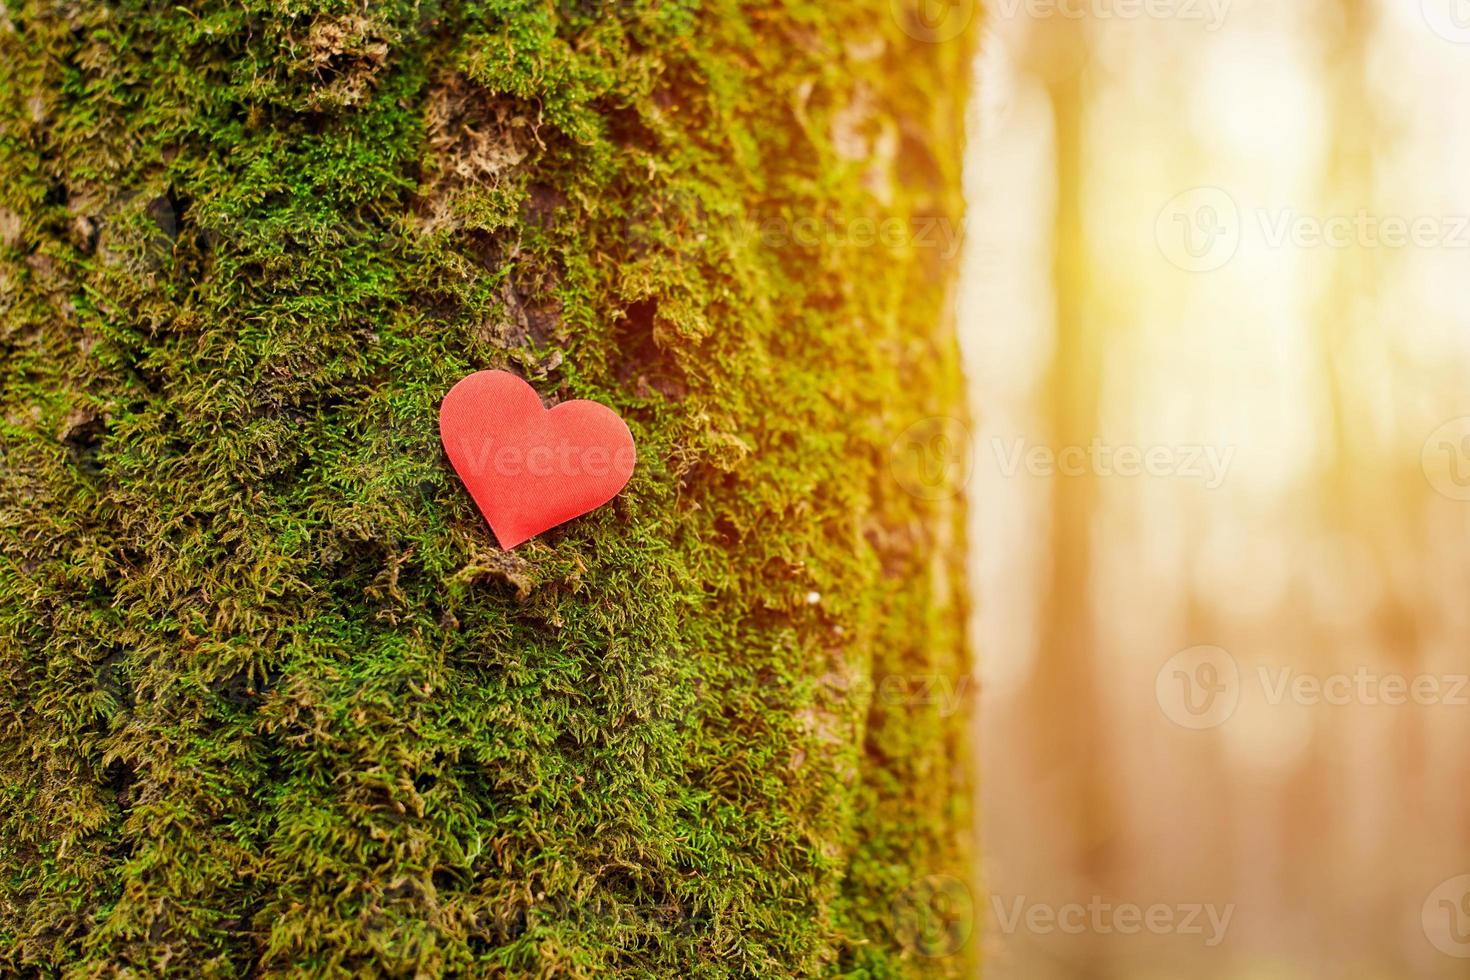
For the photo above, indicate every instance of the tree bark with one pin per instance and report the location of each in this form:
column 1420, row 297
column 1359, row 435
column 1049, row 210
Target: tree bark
column 274, row 704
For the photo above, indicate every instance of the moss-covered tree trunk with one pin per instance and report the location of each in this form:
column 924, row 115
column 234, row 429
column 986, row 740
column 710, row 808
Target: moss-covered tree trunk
column 271, row 701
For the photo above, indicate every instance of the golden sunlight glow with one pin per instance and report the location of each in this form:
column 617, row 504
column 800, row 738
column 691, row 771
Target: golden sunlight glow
column 1215, row 314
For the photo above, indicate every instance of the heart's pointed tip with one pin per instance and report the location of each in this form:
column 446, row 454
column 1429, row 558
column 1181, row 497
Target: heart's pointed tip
column 506, row 545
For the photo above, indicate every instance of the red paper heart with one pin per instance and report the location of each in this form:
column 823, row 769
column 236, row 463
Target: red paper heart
column 530, row 468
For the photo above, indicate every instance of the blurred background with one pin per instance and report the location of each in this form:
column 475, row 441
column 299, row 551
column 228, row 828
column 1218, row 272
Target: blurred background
column 1216, row 314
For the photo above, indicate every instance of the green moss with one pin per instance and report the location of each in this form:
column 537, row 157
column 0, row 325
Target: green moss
column 273, row 703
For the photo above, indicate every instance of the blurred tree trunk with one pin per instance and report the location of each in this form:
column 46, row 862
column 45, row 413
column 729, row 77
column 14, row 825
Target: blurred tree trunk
column 274, row 704
column 1369, row 523
column 1072, row 737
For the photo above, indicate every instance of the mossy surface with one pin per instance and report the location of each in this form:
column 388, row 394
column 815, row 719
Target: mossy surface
column 271, row 701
